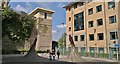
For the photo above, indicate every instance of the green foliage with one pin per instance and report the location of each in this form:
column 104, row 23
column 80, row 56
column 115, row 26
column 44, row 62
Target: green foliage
column 60, row 41
column 17, row 26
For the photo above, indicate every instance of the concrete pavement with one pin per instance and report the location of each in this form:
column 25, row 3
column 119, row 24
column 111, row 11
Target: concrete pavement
column 45, row 58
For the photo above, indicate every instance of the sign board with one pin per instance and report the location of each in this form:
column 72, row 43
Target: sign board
column 116, row 45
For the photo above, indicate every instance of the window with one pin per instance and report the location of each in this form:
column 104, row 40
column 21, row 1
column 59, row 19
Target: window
column 82, row 49
column 69, row 9
column 92, row 49
column 76, row 38
column 100, row 36
column 111, row 4
column 90, row 24
column 101, row 49
column 75, row 6
column 81, row 4
column 91, row 37
column 99, row 8
column 79, row 21
column 90, row 11
column 45, row 15
column 69, row 18
column 112, row 19
column 113, row 35
column 99, row 22
column 69, row 28
column 82, row 37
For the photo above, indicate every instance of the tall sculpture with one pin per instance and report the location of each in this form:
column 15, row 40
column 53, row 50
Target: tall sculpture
column 32, row 52
column 74, row 55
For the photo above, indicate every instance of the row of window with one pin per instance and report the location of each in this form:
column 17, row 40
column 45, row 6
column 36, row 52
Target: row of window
column 100, row 36
column 98, row 8
column 92, row 49
column 112, row 19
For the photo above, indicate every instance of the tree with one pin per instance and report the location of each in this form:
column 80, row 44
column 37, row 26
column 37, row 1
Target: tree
column 60, row 41
column 17, row 26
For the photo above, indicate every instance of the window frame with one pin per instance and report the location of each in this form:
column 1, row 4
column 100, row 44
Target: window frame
column 81, row 38
column 99, row 20
column 69, row 28
column 114, row 19
column 75, row 38
column 69, row 18
column 69, row 9
column 90, row 23
column 91, row 35
column 79, row 21
column 97, row 8
column 113, row 6
column 99, row 35
column 89, row 10
column 115, row 33
column 45, row 15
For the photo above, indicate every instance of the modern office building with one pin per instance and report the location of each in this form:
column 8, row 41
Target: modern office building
column 44, row 27
column 94, row 26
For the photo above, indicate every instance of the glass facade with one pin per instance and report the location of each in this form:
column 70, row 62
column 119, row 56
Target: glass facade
column 79, row 21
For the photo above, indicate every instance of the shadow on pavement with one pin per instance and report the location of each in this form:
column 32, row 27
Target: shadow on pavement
column 43, row 60
column 31, row 60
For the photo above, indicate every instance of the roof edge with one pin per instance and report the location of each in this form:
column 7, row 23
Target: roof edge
column 51, row 11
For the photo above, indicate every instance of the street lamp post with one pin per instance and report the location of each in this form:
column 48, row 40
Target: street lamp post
column 58, row 45
column 63, row 41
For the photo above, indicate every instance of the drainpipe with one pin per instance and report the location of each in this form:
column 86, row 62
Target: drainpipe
column 107, row 48
column 86, row 29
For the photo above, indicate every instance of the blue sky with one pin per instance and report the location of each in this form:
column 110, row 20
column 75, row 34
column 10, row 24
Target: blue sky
column 59, row 16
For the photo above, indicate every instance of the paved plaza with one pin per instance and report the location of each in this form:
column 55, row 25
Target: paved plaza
column 7, row 59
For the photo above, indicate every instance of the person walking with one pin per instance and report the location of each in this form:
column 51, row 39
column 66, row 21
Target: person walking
column 50, row 55
column 58, row 54
column 53, row 54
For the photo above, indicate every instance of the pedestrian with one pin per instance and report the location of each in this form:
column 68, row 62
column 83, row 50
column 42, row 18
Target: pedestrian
column 58, row 54
column 50, row 55
column 53, row 54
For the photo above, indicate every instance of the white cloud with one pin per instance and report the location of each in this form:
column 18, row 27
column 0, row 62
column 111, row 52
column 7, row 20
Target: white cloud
column 54, row 31
column 61, row 26
column 19, row 8
column 27, row 8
